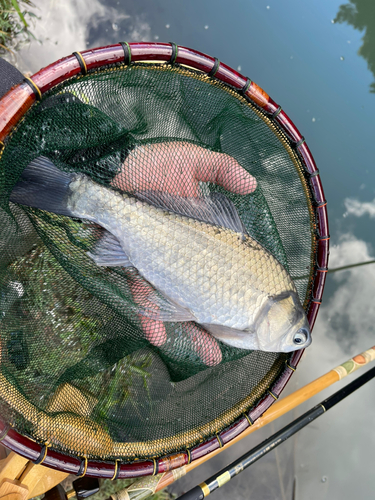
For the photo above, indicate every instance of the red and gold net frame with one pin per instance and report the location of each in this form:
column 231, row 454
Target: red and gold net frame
column 15, row 104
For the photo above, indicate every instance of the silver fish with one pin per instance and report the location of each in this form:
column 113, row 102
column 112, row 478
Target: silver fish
column 195, row 252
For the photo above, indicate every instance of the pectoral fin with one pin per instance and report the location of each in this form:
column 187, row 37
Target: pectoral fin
column 233, row 337
column 152, row 303
column 165, row 309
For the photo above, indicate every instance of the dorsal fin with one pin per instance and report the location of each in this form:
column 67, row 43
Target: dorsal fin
column 215, row 209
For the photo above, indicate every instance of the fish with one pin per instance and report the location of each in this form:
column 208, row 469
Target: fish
column 195, row 252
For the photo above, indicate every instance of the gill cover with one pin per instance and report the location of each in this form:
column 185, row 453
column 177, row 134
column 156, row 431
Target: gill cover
column 282, row 324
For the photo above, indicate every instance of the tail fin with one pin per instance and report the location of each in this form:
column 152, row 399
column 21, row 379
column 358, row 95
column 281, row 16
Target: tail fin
column 44, row 186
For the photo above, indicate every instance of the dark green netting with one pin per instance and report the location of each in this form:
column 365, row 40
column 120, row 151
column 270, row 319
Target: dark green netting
column 69, row 328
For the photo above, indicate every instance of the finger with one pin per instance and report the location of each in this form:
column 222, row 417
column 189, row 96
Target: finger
column 235, row 179
column 225, row 171
column 154, row 330
column 178, row 167
column 166, row 167
column 203, row 344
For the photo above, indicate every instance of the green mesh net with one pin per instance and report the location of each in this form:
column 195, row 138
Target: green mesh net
column 74, row 342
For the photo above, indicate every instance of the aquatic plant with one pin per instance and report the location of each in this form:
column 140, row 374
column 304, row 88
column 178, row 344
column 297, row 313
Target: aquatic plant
column 15, row 24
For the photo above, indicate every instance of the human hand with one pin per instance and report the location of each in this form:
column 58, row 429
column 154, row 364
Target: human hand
column 178, row 168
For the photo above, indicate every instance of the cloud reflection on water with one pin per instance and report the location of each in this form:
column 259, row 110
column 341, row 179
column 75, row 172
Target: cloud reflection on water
column 358, row 208
column 334, row 445
column 348, row 316
column 73, row 26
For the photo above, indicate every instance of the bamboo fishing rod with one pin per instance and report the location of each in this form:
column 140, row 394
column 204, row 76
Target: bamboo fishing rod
column 146, row 486
column 342, row 268
column 230, row 471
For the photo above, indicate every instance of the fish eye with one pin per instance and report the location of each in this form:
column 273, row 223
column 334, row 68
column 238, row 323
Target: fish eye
column 300, row 337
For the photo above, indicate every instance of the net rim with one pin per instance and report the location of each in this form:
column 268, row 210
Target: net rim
column 15, row 104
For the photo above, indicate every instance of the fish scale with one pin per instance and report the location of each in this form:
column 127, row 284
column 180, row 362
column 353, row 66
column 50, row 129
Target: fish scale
column 213, row 273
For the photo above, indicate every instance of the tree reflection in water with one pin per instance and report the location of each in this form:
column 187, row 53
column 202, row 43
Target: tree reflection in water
column 361, row 15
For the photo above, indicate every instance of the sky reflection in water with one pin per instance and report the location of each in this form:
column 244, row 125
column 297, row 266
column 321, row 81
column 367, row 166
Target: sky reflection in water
column 317, row 59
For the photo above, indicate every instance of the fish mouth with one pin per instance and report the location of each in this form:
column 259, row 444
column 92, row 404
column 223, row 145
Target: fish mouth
column 301, row 340
column 287, row 348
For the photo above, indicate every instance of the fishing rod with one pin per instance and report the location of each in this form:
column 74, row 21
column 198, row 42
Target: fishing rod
column 349, row 266
column 341, row 268
column 225, row 475
column 147, row 486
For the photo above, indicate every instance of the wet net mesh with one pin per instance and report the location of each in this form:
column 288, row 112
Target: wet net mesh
column 81, row 367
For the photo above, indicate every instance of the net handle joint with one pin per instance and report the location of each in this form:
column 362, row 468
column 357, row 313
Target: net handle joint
column 82, row 468
column 34, row 87
column 81, row 62
column 127, row 52
column 116, row 471
column 214, row 68
column 42, row 455
column 174, row 54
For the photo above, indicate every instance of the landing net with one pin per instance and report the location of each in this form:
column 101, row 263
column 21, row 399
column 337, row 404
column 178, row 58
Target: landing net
column 82, row 369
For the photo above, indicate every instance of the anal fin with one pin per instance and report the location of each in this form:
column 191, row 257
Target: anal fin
column 233, row 337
